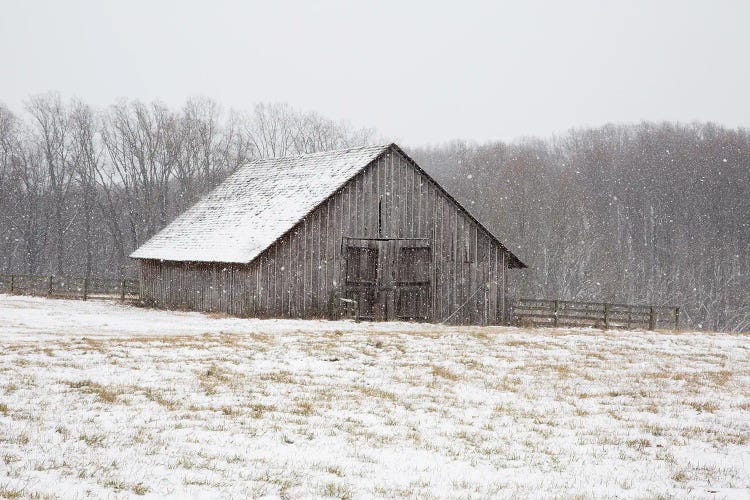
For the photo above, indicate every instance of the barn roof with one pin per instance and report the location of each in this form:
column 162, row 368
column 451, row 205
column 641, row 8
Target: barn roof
column 258, row 204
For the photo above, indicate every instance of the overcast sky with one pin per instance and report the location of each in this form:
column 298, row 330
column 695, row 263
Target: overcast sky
column 419, row 72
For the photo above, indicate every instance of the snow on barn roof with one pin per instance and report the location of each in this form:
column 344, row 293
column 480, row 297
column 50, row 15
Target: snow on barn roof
column 255, row 206
column 260, row 202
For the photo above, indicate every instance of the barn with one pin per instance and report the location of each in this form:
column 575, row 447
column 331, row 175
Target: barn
column 359, row 231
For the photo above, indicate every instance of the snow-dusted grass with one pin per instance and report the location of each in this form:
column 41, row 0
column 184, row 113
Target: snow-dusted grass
column 98, row 399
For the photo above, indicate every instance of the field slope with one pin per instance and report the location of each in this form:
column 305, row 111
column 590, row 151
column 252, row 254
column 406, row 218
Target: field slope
column 104, row 400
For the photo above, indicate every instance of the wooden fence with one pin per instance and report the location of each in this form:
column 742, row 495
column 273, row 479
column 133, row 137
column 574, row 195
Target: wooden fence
column 70, row 286
column 553, row 313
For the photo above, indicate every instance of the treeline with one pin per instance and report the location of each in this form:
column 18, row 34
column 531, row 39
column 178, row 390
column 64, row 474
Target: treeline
column 649, row 213
column 81, row 188
column 655, row 213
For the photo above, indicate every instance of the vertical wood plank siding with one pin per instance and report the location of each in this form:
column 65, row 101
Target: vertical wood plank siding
column 301, row 275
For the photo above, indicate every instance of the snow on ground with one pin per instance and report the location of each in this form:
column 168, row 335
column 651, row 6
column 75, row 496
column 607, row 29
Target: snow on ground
column 103, row 400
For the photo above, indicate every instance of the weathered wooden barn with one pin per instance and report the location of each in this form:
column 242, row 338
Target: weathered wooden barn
column 292, row 237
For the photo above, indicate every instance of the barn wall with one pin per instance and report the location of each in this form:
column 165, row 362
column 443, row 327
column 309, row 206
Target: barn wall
column 300, row 275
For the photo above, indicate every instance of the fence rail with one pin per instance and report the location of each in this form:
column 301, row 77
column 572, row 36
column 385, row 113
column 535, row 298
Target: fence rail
column 543, row 312
column 70, row 286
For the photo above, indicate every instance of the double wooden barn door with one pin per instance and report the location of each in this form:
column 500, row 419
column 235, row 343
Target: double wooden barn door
column 391, row 279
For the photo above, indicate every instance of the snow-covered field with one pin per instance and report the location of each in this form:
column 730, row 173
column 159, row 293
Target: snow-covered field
column 104, row 400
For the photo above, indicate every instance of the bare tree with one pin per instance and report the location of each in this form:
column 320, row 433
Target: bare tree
column 9, row 201
column 143, row 150
column 277, row 129
column 32, row 196
column 86, row 159
column 51, row 125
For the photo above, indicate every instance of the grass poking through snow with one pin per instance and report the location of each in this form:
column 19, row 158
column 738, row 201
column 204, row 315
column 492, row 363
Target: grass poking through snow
column 343, row 410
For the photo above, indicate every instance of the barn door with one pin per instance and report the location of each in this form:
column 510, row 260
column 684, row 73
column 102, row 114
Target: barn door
column 384, row 309
column 361, row 271
column 413, row 298
column 389, row 278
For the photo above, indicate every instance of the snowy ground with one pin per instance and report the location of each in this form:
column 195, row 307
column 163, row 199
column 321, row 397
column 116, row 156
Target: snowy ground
column 104, row 400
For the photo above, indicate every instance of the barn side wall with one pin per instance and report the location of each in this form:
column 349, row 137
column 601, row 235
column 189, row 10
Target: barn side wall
column 300, row 275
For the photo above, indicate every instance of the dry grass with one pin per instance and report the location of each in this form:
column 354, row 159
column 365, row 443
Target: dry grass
column 158, row 397
column 93, row 439
column 442, row 372
column 212, row 378
column 337, row 490
column 376, row 392
column 704, row 406
column 7, row 492
column 106, row 394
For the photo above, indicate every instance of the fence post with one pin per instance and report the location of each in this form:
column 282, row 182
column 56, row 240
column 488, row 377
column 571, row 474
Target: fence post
column 557, row 308
column 651, row 319
column 676, row 319
column 122, row 291
column 49, row 286
column 12, row 282
column 85, row 288
column 606, row 316
column 629, row 317
column 331, row 305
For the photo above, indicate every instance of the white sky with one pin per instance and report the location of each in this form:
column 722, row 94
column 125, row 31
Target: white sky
column 420, row 72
